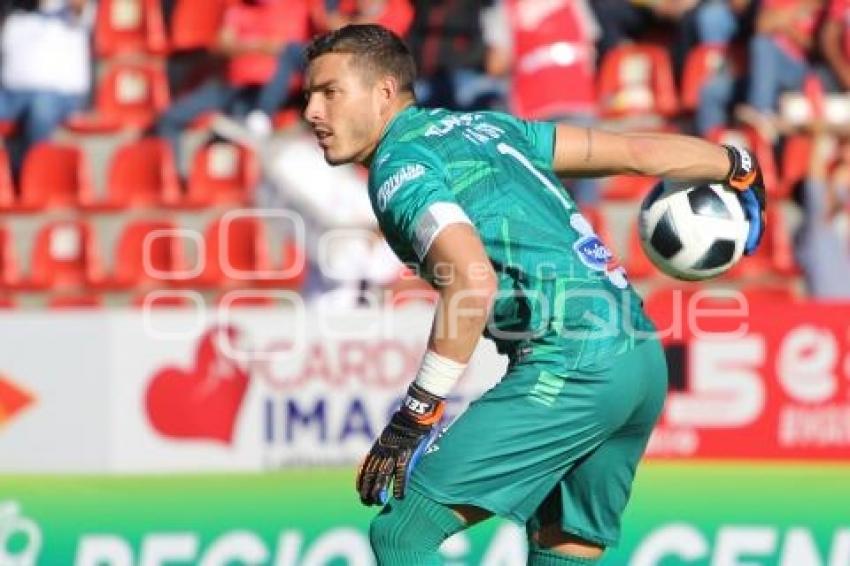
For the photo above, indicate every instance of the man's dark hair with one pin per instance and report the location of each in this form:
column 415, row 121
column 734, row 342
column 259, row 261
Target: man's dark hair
column 374, row 47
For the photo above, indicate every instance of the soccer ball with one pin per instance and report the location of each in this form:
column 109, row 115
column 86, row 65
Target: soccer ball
column 692, row 231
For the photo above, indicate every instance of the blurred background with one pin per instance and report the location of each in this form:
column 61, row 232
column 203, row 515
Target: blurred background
column 203, row 331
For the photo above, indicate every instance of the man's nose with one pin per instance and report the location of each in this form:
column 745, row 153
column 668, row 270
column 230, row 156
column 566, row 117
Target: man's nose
column 312, row 112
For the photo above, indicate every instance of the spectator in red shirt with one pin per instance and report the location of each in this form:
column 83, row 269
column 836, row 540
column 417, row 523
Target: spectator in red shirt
column 778, row 58
column 544, row 46
column 395, row 15
column 262, row 41
column 835, row 42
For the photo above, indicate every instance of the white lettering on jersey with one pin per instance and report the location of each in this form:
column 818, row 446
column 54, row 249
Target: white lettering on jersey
column 474, row 129
column 396, row 181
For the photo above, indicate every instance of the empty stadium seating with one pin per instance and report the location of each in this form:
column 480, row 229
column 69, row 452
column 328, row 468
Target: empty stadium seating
column 54, row 176
column 128, row 26
column 237, row 255
column 142, row 174
column 65, row 257
column 129, row 96
column 222, row 173
column 148, row 253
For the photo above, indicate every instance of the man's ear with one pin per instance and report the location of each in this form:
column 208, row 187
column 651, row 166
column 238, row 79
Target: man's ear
column 387, row 89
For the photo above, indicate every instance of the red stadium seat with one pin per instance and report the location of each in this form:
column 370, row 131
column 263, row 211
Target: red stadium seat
column 148, row 254
column 222, row 173
column 237, row 255
column 129, row 96
column 65, row 256
column 8, row 302
column 10, row 275
column 763, row 150
column 7, row 188
column 85, row 301
column 702, row 62
column 195, row 24
column 129, row 26
column 637, row 79
column 795, row 163
column 143, row 173
column 54, row 175
column 163, row 299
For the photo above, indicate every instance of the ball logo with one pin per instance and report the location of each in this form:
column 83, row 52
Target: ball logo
column 200, row 402
column 20, row 537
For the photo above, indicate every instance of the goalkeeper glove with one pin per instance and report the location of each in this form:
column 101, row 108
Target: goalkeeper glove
column 745, row 176
column 399, row 446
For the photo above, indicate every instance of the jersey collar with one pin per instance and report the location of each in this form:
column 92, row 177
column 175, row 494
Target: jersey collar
column 395, row 120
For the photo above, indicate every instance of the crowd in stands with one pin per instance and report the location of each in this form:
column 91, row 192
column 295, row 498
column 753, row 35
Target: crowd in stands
column 150, row 76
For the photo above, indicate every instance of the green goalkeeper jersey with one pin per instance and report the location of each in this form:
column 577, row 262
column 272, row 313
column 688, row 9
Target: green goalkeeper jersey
column 556, row 278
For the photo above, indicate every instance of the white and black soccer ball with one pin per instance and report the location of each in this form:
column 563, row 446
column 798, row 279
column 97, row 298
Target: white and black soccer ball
column 693, row 231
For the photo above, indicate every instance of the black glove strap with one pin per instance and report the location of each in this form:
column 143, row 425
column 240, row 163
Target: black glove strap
column 421, row 407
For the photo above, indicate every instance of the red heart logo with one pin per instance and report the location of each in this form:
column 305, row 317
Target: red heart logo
column 201, row 402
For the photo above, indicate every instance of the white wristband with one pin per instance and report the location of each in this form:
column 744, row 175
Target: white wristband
column 438, row 374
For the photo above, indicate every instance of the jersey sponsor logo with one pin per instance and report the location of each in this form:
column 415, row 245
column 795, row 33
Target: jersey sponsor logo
column 593, row 253
column 396, row 181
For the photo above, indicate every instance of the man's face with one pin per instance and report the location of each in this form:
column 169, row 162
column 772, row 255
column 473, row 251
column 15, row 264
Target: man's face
column 343, row 108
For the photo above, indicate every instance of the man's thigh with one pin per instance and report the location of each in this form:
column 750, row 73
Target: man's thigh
column 508, row 450
column 589, row 500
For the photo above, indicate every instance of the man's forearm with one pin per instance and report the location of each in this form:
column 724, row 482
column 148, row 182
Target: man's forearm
column 590, row 152
column 678, row 157
column 459, row 321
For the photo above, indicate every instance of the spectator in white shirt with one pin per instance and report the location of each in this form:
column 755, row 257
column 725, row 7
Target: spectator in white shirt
column 46, row 69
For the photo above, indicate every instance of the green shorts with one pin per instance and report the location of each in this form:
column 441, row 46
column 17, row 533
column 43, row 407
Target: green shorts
column 548, row 445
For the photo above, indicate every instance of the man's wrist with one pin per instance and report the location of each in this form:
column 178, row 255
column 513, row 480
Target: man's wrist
column 422, row 408
column 438, row 374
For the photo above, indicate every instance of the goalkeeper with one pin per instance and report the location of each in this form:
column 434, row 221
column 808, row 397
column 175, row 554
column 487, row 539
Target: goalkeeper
column 473, row 201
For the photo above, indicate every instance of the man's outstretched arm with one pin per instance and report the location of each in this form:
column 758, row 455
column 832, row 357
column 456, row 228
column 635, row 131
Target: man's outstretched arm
column 587, row 152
